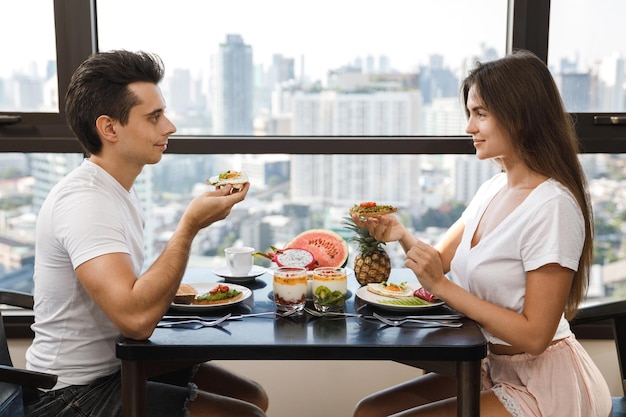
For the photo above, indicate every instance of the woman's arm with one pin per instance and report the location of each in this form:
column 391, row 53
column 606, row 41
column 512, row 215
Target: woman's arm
column 531, row 331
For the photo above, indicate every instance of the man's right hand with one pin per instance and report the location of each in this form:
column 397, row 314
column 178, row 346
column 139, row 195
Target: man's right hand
column 212, row 206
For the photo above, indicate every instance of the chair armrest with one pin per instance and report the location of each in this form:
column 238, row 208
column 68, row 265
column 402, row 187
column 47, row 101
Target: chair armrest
column 27, row 378
column 605, row 311
column 16, row 299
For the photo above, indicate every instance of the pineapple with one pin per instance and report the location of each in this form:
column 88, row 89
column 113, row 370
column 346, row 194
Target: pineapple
column 372, row 263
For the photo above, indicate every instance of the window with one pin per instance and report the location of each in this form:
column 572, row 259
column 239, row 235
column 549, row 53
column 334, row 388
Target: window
column 28, row 79
column 246, row 69
column 364, row 94
column 590, row 68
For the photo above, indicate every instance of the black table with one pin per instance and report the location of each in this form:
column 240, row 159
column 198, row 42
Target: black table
column 457, row 351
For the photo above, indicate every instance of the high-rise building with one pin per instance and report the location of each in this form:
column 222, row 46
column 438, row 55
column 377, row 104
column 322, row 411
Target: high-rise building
column 342, row 180
column 612, row 77
column 233, row 88
column 469, row 175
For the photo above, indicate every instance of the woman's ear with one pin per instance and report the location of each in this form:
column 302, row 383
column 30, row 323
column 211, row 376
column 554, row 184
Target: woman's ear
column 105, row 126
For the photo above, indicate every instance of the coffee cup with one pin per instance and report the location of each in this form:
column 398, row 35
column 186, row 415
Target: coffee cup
column 239, row 260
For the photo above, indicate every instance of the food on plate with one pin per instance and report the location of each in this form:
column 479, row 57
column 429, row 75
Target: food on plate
column 407, row 301
column 372, row 263
column 424, row 295
column 401, row 294
column 327, row 247
column 236, row 178
column 185, row 294
column 389, row 289
column 290, row 257
column 219, row 295
column 371, row 209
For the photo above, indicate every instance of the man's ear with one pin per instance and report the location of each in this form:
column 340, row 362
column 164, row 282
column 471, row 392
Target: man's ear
column 106, row 128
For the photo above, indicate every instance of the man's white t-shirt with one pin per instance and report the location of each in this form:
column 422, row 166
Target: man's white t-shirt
column 547, row 227
column 86, row 215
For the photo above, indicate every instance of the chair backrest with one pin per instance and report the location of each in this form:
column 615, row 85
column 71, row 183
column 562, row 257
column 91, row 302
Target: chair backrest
column 613, row 313
column 11, row 379
column 11, row 402
column 5, row 356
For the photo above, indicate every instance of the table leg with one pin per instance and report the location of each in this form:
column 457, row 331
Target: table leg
column 468, row 388
column 134, row 397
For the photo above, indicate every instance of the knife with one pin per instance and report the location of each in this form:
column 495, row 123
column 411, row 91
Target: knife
column 233, row 317
column 422, row 317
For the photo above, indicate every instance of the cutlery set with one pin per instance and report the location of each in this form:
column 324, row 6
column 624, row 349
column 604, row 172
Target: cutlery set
column 199, row 321
column 433, row 320
column 424, row 322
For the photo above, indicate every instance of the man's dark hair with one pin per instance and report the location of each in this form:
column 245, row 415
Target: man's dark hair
column 99, row 86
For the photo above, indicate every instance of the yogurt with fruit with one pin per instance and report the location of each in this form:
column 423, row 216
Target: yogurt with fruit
column 290, row 288
column 329, row 288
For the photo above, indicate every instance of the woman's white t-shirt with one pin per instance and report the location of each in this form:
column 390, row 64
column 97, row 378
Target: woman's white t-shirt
column 86, row 215
column 547, row 227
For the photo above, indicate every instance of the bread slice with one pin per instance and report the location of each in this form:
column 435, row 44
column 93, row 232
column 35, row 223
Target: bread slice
column 372, row 211
column 185, row 294
column 236, row 179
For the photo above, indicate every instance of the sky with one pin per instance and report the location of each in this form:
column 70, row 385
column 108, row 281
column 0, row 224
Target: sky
column 328, row 33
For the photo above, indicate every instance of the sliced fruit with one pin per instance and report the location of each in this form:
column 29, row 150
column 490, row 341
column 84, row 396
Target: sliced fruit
column 290, row 257
column 328, row 248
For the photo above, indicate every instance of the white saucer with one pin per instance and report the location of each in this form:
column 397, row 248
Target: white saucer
column 224, row 272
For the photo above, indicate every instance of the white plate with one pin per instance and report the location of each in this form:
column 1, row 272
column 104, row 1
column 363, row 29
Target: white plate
column 205, row 287
column 375, row 300
column 224, row 272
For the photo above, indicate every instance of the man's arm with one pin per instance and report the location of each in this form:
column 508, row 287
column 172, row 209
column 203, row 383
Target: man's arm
column 136, row 304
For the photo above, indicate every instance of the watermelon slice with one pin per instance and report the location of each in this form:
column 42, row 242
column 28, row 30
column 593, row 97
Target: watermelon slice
column 328, row 248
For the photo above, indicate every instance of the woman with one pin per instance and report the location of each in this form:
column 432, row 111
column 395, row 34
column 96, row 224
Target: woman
column 518, row 257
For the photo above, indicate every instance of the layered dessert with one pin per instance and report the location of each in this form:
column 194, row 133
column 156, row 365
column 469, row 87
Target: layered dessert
column 290, row 287
column 329, row 288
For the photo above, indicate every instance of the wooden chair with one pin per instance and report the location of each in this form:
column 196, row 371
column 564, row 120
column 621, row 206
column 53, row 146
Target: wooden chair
column 13, row 379
column 612, row 317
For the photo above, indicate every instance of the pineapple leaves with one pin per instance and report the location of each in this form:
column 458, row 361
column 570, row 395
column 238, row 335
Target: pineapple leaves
column 367, row 242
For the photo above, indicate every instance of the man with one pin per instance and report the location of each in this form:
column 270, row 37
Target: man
column 89, row 256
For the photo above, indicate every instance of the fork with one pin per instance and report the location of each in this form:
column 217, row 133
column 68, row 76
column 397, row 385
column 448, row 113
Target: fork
column 196, row 323
column 330, row 313
column 427, row 317
column 428, row 323
column 232, row 317
column 275, row 313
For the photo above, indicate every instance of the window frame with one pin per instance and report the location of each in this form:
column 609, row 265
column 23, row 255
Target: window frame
column 76, row 38
column 529, row 29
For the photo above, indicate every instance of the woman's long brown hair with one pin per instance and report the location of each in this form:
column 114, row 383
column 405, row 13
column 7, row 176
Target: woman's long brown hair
column 521, row 94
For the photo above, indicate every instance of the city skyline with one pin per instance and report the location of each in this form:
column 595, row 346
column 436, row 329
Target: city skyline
column 407, row 36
